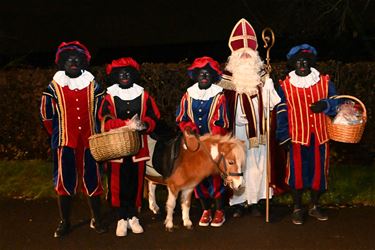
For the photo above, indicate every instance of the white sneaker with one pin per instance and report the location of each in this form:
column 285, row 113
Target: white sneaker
column 122, row 228
column 134, row 225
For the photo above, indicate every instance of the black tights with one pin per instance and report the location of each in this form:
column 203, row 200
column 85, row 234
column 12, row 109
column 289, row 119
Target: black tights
column 126, row 212
column 297, row 198
column 206, row 203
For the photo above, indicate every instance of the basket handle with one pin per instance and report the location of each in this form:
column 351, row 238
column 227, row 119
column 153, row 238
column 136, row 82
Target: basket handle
column 104, row 120
column 364, row 115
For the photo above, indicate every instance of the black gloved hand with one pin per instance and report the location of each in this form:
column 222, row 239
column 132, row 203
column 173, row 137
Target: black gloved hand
column 144, row 131
column 286, row 145
column 318, row 106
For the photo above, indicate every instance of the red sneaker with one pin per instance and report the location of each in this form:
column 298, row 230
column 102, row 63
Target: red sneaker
column 205, row 219
column 219, row 218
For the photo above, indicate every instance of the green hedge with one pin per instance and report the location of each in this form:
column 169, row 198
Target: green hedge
column 21, row 136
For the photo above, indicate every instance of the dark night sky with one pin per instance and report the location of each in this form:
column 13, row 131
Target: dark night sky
column 156, row 30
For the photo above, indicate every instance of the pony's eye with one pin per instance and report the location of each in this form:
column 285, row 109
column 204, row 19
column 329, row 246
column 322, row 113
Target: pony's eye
column 231, row 162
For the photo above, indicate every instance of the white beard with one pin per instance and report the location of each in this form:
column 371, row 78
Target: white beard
column 245, row 71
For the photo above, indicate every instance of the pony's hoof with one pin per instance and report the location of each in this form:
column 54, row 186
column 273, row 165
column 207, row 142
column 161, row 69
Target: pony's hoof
column 169, row 229
column 168, row 225
column 155, row 209
column 188, row 224
column 155, row 212
column 189, row 227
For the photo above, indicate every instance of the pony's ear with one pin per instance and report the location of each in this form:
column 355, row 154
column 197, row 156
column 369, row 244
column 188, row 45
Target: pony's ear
column 191, row 140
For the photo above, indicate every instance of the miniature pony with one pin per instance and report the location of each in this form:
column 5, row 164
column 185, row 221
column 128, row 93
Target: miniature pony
column 192, row 159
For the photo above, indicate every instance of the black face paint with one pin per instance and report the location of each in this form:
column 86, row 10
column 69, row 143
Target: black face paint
column 73, row 66
column 126, row 77
column 205, row 78
column 302, row 66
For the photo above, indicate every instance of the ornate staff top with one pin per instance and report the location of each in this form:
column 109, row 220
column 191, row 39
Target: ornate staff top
column 269, row 41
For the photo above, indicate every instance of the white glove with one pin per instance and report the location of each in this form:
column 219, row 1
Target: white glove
column 269, row 88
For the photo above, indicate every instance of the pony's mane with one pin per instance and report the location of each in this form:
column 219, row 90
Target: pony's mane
column 238, row 145
column 228, row 138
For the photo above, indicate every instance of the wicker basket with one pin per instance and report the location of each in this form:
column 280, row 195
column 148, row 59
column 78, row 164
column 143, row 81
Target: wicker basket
column 347, row 133
column 114, row 144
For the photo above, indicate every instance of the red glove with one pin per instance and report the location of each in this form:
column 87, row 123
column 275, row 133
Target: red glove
column 115, row 123
column 191, row 130
column 216, row 130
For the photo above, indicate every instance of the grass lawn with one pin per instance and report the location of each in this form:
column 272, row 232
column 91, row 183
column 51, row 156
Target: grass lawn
column 348, row 185
column 26, row 179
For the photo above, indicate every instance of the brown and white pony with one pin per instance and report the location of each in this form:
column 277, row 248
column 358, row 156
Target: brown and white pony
column 198, row 158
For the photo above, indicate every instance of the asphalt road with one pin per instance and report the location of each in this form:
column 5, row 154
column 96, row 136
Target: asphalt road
column 30, row 225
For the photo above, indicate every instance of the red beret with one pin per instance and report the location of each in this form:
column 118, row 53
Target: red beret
column 201, row 62
column 122, row 62
column 74, row 45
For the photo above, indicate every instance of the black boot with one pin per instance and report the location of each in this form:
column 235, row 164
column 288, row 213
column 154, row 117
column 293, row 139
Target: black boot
column 255, row 210
column 63, row 228
column 238, row 210
column 297, row 198
column 96, row 221
column 314, row 210
column 298, row 216
column 315, row 196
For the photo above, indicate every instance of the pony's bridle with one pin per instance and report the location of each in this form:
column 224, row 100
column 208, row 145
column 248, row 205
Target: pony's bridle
column 223, row 173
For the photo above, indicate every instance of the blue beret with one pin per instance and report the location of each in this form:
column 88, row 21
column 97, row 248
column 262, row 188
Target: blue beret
column 304, row 48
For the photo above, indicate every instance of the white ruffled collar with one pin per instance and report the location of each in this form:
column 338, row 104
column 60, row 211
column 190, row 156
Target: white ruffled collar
column 204, row 94
column 125, row 94
column 80, row 82
column 304, row 81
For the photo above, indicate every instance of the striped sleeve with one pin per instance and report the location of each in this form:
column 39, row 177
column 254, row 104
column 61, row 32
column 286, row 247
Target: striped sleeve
column 46, row 111
column 182, row 118
column 332, row 102
column 282, row 127
column 221, row 122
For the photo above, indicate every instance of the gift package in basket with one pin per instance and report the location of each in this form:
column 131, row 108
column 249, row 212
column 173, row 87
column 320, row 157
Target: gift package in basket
column 350, row 121
column 116, row 143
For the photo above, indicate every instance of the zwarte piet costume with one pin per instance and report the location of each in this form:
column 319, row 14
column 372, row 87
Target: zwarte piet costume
column 68, row 112
column 203, row 109
column 125, row 98
column 306, row 99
